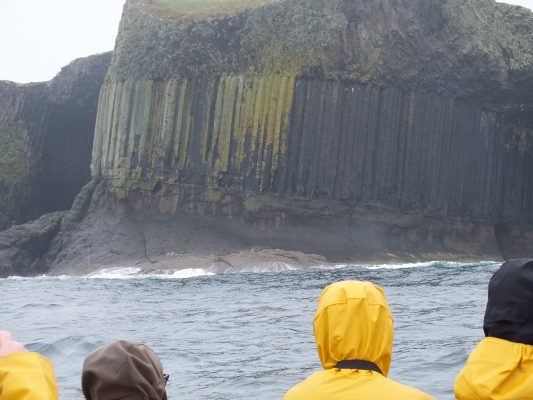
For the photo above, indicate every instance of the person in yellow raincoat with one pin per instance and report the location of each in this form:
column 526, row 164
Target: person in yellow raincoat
column 501, row 366
column 353, row 331
column 24, row 375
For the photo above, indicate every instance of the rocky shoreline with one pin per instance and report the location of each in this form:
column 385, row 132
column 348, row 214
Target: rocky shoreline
column 99, row 232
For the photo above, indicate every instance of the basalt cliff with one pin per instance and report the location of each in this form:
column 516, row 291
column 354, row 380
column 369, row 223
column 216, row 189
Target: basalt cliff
column 46, row 134
column 349, row 129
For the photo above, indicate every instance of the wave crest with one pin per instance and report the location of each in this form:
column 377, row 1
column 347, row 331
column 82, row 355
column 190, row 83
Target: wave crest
column 137, row 273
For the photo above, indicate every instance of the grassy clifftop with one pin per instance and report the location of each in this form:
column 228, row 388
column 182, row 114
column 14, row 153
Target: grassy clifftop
column 204, row 8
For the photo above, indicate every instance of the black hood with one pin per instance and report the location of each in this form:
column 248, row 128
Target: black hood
column 509, row 313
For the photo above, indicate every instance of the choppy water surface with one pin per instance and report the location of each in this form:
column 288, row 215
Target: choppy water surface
column 234, row 336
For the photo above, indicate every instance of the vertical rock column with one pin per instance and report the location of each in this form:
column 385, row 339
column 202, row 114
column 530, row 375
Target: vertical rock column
column 229, row 131
column 312, row 139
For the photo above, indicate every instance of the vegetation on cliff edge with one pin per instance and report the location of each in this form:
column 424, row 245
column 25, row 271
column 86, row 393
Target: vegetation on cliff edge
column 189, row 8
column 14, row 176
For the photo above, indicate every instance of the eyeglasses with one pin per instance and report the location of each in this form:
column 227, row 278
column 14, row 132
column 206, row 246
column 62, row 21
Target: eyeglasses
column 166, row 377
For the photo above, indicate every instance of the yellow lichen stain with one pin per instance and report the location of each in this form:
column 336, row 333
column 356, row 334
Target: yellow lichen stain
column 253, row 205
column 157, row 116
column 262, row 132
column 146, row 130
column 186, row 129
column 212, row 194
column 206, row 135
column 236, row 133
column 226, row 124
column 291, row 82
column 248, row 110
column 246, row 120
column 168, row 122
column 276, row 140
column 182, row 92
column 275, row 100
column 121, row 193
column 217, row 115
column 265, row 128
column 137, row 173
column 258, row 107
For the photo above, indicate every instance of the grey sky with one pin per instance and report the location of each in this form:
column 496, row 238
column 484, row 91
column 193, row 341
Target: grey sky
column 38, row 37
column 524, row 3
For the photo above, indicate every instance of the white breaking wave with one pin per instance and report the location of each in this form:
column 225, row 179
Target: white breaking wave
column 376, row 266
column 137, row 273
column 16, row 278
column 25, row 278
column 400, row 266
column 187, row 273
column 334, row 266
column 115, row 273
column 448, row 264
column 266, row 267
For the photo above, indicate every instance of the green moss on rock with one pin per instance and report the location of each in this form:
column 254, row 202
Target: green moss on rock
column 15, row 179
column 14, row 160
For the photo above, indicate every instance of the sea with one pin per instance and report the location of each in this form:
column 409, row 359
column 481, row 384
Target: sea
column 248, row 334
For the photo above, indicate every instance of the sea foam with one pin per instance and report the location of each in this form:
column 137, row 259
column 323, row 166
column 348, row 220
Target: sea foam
column 122, row 272
column 137, row 273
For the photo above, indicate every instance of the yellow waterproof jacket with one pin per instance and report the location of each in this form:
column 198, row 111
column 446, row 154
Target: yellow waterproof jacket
column 353, row 322
column 27, row 376
column 497, row 369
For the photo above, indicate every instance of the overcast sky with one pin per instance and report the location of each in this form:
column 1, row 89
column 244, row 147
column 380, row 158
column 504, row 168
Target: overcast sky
column 38, row 37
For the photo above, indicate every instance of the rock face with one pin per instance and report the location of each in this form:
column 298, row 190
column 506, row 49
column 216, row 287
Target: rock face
column 46, row 135
column 23, row 248
column 479, row 49
column 345, row 128
column 314, row 139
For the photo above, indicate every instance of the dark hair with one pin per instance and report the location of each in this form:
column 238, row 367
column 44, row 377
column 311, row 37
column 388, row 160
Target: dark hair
column 509, row 313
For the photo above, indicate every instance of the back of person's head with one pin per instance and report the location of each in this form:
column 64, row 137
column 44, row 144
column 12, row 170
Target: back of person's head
column 353, row 322
column 509, row 313
column 123, row 370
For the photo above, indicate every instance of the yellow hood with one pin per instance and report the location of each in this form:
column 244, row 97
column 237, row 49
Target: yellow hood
column 353, row 322
column 497, row 369
column 27, row 376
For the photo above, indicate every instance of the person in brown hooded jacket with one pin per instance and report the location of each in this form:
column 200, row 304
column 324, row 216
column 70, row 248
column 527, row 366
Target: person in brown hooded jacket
column 123, row 370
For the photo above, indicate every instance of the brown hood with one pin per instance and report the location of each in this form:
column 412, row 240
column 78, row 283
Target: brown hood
column 123, row 370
